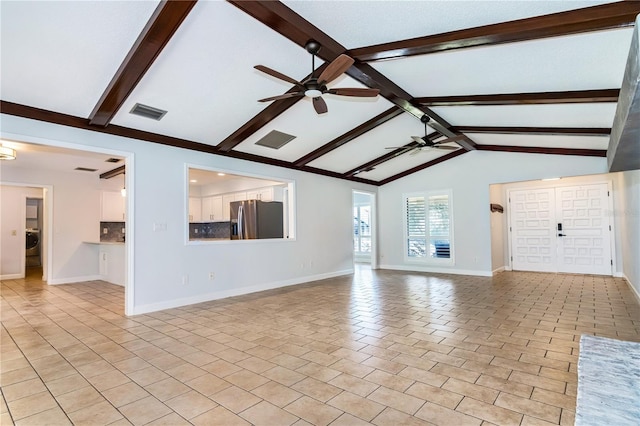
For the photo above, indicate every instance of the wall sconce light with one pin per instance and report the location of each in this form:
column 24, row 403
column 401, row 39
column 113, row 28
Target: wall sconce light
column 7, row 153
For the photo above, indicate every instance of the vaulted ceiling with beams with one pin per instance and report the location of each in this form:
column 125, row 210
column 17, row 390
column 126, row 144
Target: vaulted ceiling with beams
column 525, row 76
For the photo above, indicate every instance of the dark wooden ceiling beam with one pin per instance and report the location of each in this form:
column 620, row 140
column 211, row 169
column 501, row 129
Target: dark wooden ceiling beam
column 601, row 17
column 350, row 135
column 286, row 22
column 113, row 173
column 154, row 37
column 428, row 164
column 32, row 113
column 578, row 131
column 570, row 97
column 289, row 24
column 540, row 150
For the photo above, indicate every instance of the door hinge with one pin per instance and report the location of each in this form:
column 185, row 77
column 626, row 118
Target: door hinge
column 608, row 194
column 512, row 258
column 609, row 227
column 611, row 262
column 510, row 230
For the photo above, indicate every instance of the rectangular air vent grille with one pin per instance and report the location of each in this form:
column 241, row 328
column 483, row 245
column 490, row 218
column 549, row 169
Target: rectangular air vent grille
column 148, row 112
column 85, row 169
column 112, row 160
column 275, row 139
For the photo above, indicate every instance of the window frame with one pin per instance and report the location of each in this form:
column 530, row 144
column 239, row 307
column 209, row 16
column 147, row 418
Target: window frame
column 405, row 229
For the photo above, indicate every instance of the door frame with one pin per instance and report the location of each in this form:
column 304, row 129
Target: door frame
column 555, row 184
column 373, row 224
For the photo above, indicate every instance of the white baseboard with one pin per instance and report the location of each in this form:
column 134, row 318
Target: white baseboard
column 437, row 270
column 11, row 276
column 497, row 270
column 71, row 280
column 633, row 289
column 169, row 304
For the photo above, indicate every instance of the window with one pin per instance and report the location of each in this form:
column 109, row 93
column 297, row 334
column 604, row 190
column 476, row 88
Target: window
column 362, row 229
column 429, row 226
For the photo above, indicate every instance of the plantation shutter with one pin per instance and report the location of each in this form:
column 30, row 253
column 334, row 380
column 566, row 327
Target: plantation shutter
column 439, row 226
column 416, row 227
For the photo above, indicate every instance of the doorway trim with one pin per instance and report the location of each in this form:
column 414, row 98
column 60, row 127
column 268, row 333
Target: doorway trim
column 129, row 162
column 373, row 224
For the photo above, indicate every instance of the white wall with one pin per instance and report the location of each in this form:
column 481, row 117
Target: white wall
column 12, row 228
column 628, row 218
column 469, row 177
column 162, row 259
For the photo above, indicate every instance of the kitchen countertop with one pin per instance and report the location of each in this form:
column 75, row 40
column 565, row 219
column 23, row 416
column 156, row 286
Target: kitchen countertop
column 106, row 243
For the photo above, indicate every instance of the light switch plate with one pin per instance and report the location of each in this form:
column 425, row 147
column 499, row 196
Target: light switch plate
column 105, row 230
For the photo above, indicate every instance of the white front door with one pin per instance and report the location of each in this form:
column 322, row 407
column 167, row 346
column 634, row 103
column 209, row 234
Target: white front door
column 533, row 240
column 562, row 229
column 584, row 244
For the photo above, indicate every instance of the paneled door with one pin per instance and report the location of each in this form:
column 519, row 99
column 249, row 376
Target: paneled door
column 562, row 229
column 533, row 239
column 584, row 242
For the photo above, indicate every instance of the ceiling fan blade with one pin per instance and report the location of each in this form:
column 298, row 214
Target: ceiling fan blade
column 276, row 74
column 335, row 69
column 285, row 96
column 446, row 147
column 320, row 105
column 416, row 151
column 400, row 147
column 352, row 91
column 451, row 139
column 419, row 140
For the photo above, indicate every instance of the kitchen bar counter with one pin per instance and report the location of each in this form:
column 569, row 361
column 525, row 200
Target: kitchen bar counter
column 111, row 261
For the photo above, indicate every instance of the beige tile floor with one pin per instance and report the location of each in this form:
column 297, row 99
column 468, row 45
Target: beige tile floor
column 378, row 347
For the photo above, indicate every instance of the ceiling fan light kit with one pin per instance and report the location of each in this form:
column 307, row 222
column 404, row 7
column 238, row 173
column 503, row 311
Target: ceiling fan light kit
column 315, row 87
column 7, row 153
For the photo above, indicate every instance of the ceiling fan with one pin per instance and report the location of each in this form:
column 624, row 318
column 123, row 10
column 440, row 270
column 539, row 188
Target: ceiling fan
column 315, row 87
column 424, row 143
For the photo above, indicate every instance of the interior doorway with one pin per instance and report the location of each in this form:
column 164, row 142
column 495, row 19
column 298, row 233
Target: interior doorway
column 563, row 229
column 364, row 228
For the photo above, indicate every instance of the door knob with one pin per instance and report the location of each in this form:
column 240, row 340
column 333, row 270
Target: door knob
column 562, row 235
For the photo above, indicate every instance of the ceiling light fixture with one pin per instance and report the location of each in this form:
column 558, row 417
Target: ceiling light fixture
column 7, row 153
column 221, row 174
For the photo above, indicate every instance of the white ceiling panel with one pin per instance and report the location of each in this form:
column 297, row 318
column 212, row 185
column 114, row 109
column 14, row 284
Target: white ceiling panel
column 371, row 145
column 67, row 52
column 541, row 140
column 205, row 77
column 594, row 60
column 313, row 130
column 545, row 115
column 349, row 22
column 401, row 163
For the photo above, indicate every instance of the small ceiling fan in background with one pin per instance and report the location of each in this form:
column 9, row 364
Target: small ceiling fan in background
column 424, row 143
column 315, row 87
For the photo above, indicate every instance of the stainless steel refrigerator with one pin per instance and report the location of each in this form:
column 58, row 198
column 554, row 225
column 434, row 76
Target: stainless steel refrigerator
column 253, row 219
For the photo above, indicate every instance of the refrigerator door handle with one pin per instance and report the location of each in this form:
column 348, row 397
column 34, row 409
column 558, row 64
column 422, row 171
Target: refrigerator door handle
column 240, row 223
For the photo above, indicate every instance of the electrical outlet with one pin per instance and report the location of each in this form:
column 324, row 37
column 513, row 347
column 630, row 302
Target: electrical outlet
column 212, row 276
column 195, row 231
column 14, row 232
column 105, row 230
column 185, row 279
column 123, row 230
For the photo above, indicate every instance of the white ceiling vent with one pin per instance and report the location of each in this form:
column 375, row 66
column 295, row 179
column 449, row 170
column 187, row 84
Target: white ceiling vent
column 275, row 139
column 148, row 112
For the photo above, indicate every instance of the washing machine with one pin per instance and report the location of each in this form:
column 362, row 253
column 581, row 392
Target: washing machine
column 33, row 247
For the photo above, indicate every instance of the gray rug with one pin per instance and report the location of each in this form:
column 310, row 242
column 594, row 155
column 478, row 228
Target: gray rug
column 608, row 382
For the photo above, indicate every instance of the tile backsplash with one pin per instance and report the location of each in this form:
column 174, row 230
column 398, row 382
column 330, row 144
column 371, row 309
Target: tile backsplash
column 209, row 230
column 115, row 231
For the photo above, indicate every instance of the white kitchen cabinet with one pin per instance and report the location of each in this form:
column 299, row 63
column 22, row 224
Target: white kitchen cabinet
column 263, row 194
column 195, row 209
column 112, row 207
column 212, row 210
